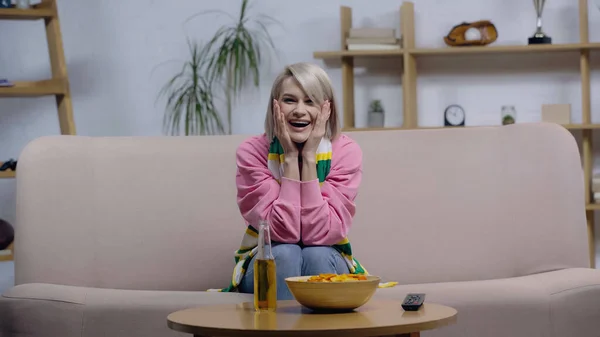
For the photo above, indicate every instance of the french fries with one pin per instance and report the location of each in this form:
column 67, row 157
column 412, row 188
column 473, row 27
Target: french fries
column 337, row 278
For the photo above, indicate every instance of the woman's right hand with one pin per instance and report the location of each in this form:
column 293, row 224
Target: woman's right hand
column 281, row 132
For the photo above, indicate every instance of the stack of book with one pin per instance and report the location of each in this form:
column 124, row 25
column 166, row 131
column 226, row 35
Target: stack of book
column 372, row 39
column 596, row 188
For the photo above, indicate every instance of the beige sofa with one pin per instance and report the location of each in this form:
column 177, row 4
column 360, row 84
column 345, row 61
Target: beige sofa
column 113, row 234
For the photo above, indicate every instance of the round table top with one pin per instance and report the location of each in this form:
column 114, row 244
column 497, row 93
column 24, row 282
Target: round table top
column 375, row 318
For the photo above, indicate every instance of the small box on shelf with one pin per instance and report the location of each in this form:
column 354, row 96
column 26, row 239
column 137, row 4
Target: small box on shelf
column 556, row 113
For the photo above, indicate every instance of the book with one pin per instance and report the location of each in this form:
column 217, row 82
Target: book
column 370, row 40
column 367, row 32
column 373, row 46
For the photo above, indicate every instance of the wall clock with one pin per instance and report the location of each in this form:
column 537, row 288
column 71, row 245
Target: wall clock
column 454, row 115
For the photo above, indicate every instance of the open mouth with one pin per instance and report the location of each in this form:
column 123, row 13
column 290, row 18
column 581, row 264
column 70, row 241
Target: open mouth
column 299, row 124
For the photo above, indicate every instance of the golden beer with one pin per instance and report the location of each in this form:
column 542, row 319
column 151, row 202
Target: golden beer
column 265, row 272
column 265, row 285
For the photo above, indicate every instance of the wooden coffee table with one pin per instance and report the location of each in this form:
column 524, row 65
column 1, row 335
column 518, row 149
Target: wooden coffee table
column 376, row 318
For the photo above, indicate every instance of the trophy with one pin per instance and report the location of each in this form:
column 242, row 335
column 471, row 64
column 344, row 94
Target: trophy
column 539, row 37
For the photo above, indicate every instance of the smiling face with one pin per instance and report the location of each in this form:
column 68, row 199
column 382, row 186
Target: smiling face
column 299, row 110
column 300, row 89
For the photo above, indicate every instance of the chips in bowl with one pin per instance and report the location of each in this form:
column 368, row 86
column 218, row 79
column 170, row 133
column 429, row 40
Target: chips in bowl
column 336, row 278
column 338, row 292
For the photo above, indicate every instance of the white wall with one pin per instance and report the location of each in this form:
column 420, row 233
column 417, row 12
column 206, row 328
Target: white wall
column 120, row 53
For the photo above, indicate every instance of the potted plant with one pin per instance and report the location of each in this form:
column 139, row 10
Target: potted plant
column 509, row 114
column 376, row 114
column 228, row 61
column 190, row 98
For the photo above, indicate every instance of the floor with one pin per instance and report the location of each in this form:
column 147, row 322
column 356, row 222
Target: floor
column 7, row 275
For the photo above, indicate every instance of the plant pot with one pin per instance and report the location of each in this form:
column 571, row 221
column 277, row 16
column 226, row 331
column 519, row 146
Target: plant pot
column 376, row 119
column 509, row 115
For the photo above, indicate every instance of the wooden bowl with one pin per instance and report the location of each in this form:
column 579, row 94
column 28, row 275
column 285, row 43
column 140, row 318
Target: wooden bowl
column 332, row 296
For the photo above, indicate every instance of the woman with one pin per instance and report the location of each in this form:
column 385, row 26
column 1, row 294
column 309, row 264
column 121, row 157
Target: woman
column 302, row 177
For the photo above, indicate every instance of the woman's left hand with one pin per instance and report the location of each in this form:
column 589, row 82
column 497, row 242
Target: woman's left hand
column 312, row 143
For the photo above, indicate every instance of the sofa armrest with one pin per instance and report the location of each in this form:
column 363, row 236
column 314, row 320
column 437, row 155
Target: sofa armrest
column 48, row 310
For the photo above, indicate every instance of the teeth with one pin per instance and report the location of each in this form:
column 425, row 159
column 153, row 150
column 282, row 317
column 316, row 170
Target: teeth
column 300, row 122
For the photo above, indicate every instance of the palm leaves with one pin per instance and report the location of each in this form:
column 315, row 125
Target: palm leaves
column 236, row 53
column 190, row 98
column 229, row 61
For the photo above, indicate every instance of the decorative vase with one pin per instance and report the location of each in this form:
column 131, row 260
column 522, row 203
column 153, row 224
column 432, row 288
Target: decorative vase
column 509, row 114
column 376, row 114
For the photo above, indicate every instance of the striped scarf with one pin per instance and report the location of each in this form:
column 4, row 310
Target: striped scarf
column 248, row 247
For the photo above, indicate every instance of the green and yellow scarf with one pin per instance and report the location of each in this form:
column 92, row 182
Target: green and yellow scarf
column 248, row 247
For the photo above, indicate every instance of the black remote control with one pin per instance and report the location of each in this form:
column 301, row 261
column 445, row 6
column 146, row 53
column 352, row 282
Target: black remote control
column 412, row 302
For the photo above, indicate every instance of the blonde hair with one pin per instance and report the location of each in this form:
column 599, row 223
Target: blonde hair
column 315, row 83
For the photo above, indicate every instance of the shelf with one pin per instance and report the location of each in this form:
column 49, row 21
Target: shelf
column 7, row 174
column 582, row 126
column 410, row 55
column 357, row 53
column 37, row 88
column 8, row 254
column 566, row 126
column 592, row 207
column 25, row 14
column 491, row 49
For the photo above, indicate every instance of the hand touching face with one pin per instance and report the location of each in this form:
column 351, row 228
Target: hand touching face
column 299, row 111
column 319, row 129
column 281, row 130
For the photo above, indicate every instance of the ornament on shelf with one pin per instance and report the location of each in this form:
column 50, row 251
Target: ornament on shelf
column 11, row 164
column 376, row 114
column 454, row 115
column 556, row 113
column 478, row 33
column 539, row 37
column 23, row 4
column 7, row 234
column 509, row 114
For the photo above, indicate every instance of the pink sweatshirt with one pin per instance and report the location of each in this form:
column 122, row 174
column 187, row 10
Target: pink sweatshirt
column 299, row 210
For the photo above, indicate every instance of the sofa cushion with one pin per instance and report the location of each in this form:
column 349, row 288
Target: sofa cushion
column 556, row 303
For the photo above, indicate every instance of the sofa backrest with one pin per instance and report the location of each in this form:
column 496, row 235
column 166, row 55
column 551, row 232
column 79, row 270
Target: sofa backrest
column 435, row 205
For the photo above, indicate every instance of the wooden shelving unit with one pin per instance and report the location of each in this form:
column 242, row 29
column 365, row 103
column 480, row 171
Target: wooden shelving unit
column 409, row 56
column 57, row 86
column 42, row 11
column 7, row 174
column 8, row 254
column 36, row 88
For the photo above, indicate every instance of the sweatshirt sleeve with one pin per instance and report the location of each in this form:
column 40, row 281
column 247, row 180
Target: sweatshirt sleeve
column 328, row 210
column 261, row 197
